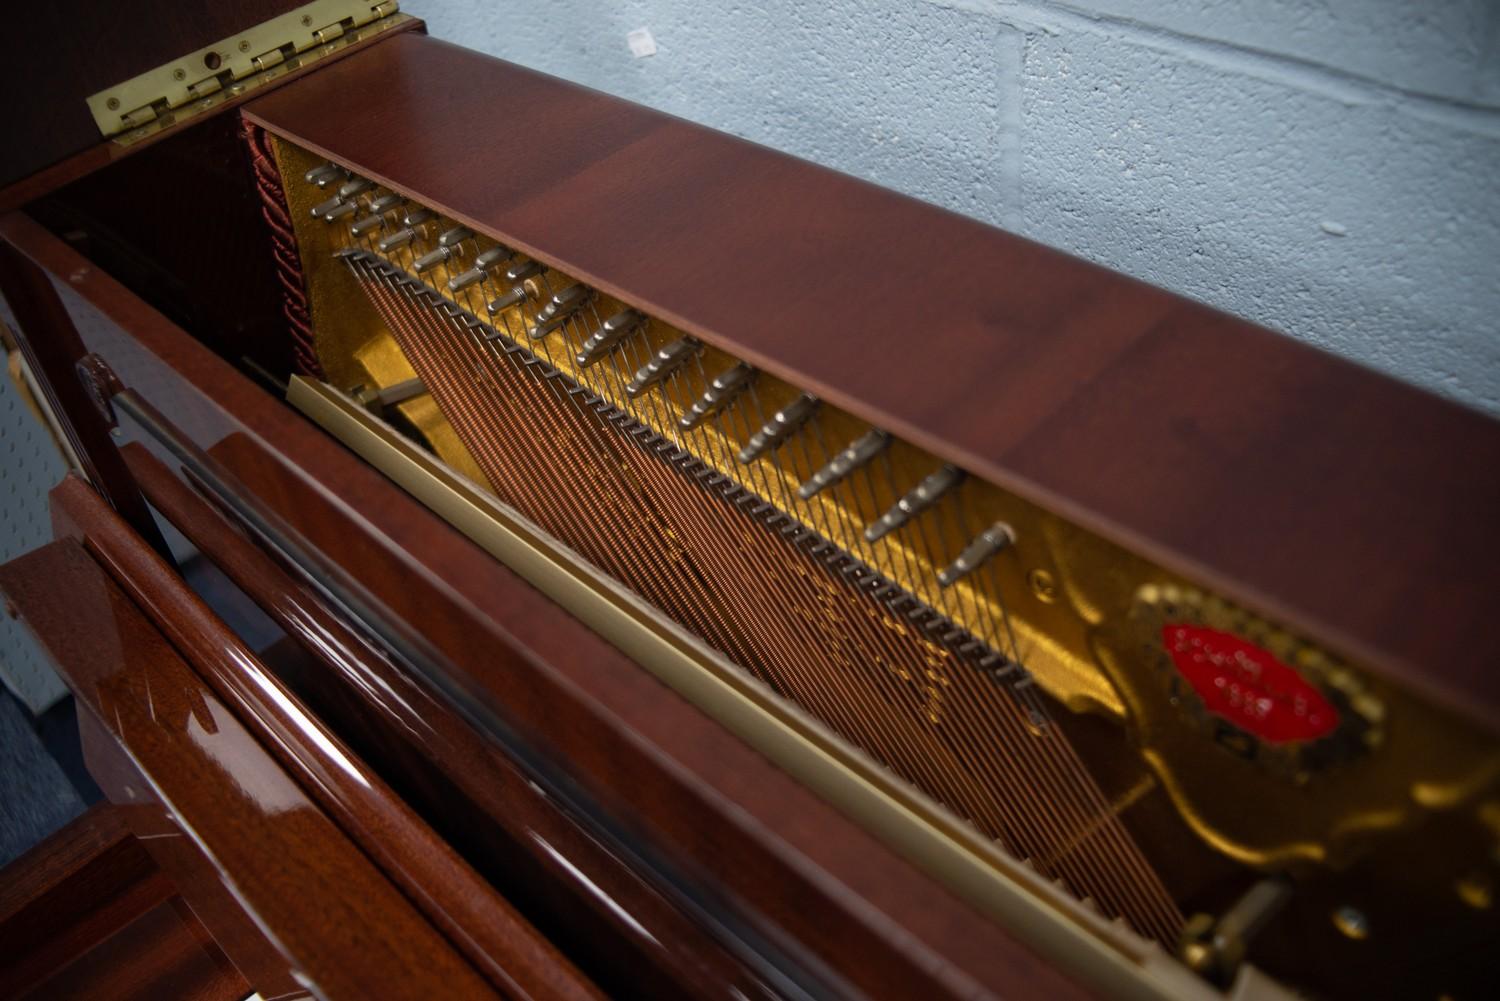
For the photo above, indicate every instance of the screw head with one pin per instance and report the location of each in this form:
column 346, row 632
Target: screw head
column 1043, row 585
column 245, row 45
column 1476, row 890
column 179, row 74
column 113, row 104
column 1351, row 921
column 307, row 20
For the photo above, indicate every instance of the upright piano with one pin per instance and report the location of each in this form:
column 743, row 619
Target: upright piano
column 523, row 544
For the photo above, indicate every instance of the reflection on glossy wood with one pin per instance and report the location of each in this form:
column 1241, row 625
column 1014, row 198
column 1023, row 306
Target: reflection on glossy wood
column 484, row 927
column 1344, row 503
column 158, row 955
column 203, row 884
column 341, row 924
column 755, row 868
column 86, row 914
column 604, row 913
column 687, row 785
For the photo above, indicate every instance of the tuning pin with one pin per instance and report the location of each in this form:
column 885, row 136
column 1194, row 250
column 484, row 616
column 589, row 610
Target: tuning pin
column 918, row 499
column 517, row 273
column 485, row 260
column 987, row 544
column 514, row 297
column 557, row 310
column 400, row 238
column 455, row 236
column 418, row 217
column 860, row 452
column 721, row 392
column 611, row 332
column 779, row 429
column 324, row 175
column 667, row 360
column 355, row 186
column 446, row 250
column 386, row 203
column 432, row 259
column 340, row 210
column 459, row 282
column 321, row 210
column 368, row 224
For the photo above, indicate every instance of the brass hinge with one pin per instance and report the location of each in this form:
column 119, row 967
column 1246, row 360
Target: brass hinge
column 195, row 82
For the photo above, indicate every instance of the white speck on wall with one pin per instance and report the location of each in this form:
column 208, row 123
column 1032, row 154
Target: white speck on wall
column 1333, row 228
column 641, row 42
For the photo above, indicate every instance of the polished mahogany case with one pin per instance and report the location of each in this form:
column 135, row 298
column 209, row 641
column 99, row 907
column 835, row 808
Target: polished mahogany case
column 436, row 781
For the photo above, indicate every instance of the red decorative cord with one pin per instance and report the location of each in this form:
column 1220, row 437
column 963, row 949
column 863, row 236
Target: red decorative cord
column 273, row 208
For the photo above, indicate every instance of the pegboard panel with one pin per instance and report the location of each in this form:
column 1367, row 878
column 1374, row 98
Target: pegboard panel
column 30, row 465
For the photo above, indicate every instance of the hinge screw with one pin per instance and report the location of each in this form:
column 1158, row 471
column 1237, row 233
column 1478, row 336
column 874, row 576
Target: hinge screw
column 1042, row 585
column 113, row 104
column 306, row 20
column 179, row 74
column 1352, row 923
column 245, row 46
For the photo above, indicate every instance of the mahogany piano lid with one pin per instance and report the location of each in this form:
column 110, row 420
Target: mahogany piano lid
column 1344, row 503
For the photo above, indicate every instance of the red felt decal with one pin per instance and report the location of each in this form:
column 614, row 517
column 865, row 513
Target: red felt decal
column 1247, row 686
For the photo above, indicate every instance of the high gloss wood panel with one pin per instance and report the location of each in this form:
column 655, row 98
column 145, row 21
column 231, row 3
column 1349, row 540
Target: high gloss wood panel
column 601, row 911
column 486, row 929
column 697, row 791
column 201, row 883
column 69, row 892
column 160, row 954
column 1348, row 505
column 344, row 927
column 85, row 913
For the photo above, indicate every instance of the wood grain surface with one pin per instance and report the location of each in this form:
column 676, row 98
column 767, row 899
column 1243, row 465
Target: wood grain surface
column 485, row 928
column 1347, row 505
column 69, row 892
column 605, row 916
column 85, row 914
column 686, row 784
column 160, row 954
column 342, row 925
column 201, row 883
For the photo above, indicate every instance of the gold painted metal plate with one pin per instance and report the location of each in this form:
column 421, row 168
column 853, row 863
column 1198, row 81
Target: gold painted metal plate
column 352, row 342
column 1069, row 601
column 197, row 81
column 1107, row 954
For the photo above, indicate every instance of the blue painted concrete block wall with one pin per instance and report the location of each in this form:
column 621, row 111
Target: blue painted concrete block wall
column 1330, row 168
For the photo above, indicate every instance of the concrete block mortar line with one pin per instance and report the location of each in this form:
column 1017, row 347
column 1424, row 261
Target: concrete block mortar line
column 1291, row 71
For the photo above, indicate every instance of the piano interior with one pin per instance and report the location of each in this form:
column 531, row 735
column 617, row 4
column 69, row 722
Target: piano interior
column 1079, row 741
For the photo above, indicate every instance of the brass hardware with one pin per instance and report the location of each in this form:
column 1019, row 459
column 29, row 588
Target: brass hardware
column 196, row 81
